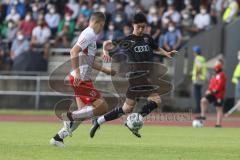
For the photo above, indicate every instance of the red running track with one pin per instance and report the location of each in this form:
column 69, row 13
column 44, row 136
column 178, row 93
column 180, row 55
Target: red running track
column 166, row 120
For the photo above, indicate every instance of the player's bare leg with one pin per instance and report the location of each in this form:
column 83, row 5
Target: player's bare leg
column 57, row 140
column 98, row 107
column 219, row 110
column 204, row 105
column 112, row 115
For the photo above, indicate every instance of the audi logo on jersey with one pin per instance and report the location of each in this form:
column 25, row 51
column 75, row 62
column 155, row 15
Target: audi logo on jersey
column 139, row 49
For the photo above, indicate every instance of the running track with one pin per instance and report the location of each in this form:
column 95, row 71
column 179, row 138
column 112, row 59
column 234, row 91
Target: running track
column 167, row 120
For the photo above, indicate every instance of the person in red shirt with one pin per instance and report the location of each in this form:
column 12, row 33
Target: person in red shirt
column 27, row 26
column 215, row 93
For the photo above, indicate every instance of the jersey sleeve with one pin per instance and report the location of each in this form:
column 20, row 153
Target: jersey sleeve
column 152, row 44
column 84, row 40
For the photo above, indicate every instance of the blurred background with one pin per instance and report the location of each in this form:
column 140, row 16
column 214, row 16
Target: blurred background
column 37, row 35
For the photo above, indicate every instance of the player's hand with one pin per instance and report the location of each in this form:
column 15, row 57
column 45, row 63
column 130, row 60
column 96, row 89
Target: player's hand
column 110, row 72
column 208, row 93
column 77, row 79
column 106, row 57
column 171, row 53
column 113, row 72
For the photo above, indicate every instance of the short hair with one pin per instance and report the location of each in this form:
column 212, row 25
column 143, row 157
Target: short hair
column 97, row 17
column 139, row 18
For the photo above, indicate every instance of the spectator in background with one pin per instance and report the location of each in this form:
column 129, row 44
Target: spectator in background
column 85, row 10
column 111, row 6
column 214, row 11
column 66, row 30
column 152, row 14
column 171, row 15
column 111, row 33
column 27, row 26
column 236, row 82
column 14, row 16
column 52, row 18
column 199, row 75
column 154, row 27
column 202, row 20
column 4, row 57
column 102, row 9
column 231, row 11
column 2, row 12
column 35, row 11
column 173, row 38
column 82, row 23
column 130, row 9
column 18, row 6
column 120, row 17
column 40, row 37
column 1, row 56
column 19, row 46
column 74, row 7
column 170, row 2
column 187, row 17
column 9, row 30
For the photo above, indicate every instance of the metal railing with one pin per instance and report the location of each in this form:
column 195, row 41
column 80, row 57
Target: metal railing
column 37, row 92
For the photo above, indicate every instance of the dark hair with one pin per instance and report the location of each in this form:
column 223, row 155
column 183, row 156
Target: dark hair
column 139, row 18
column 98, row 17
column 221, row 60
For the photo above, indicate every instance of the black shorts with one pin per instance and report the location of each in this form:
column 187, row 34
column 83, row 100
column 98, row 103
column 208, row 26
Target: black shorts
column 143, row 83
column 140, row 87
column 214, row 100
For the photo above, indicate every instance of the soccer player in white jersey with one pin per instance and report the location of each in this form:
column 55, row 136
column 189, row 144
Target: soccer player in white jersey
column 89, row 100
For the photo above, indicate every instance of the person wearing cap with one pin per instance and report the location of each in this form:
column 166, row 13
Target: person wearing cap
column 199, row 74
column 236, row 81
column 215, row 93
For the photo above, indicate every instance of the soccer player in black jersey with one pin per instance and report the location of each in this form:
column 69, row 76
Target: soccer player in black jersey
column 140, row 48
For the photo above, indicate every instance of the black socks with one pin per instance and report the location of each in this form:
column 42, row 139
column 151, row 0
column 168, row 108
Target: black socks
column 114, row 114
column 148, row 108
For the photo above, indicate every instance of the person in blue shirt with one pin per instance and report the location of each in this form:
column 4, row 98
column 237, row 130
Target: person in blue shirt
column 172, row 38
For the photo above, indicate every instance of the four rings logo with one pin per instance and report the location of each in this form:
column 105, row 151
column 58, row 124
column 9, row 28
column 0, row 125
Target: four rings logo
column 139, row 49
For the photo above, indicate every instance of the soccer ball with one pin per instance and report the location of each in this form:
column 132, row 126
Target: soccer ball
column 197, row 123
column 135, row 121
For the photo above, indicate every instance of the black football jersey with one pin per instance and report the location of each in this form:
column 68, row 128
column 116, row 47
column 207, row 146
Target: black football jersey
column 137, row 48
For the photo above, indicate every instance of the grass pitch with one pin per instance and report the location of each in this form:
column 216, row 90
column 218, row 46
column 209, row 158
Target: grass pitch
column 30, row 141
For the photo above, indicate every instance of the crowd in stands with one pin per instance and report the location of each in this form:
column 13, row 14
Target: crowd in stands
column 43, row 24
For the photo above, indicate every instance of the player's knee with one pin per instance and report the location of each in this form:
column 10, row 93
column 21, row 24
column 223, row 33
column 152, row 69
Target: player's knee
column 204, row 100
column 127, row 108
column 156, row 98
column 100, row 107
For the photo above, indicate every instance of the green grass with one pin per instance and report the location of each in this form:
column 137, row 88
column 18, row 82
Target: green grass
column 236, row 113
column 26, row 112
column 30, row 141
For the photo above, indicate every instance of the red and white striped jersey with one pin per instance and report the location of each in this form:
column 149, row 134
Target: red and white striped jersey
column 87, row 43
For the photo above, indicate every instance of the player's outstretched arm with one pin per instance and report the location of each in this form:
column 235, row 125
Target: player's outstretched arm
column 74, row 53
column 165, row 53
column 100, row 68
